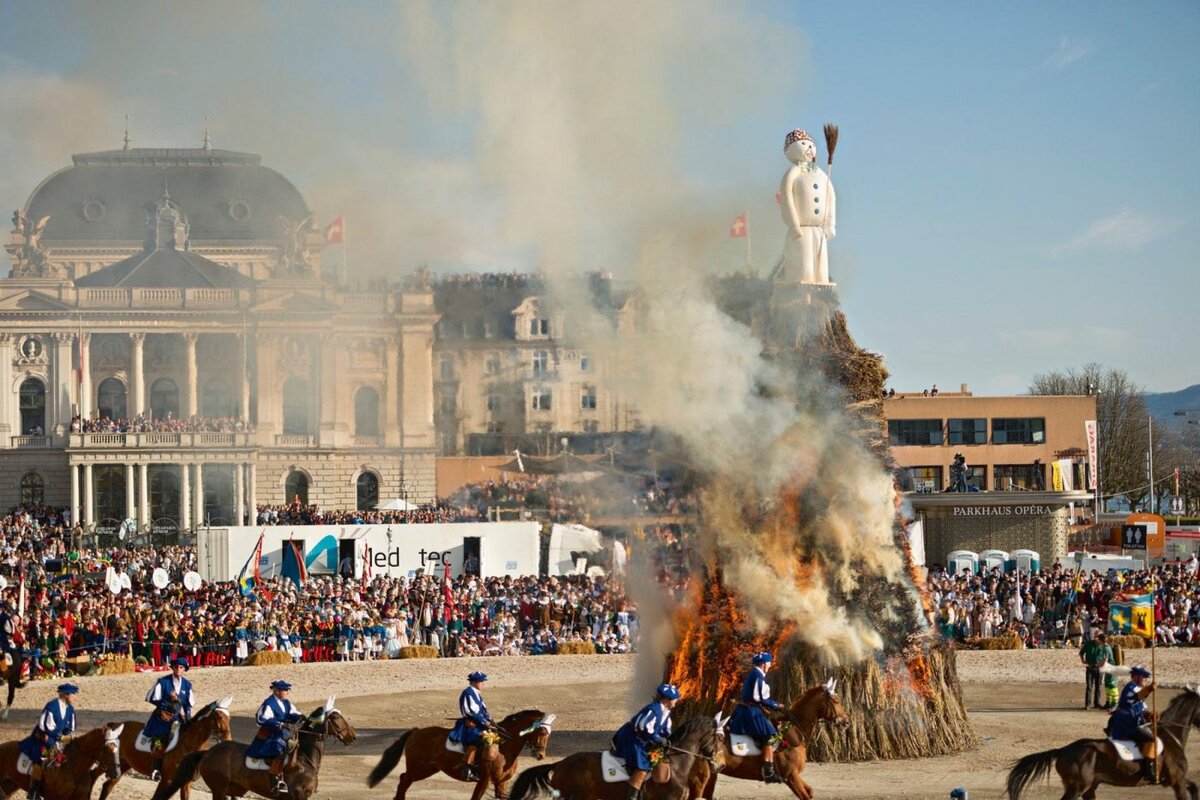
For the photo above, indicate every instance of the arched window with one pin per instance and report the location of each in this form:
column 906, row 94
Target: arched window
column 33, row 489
column 33, row 407
column 295, row 406
column 109, row 494
column 295, row 486
column 110, row 399
column 216, row 399
column 164, row 399
column 164, row 491
column 368, row 491
column 366, row 412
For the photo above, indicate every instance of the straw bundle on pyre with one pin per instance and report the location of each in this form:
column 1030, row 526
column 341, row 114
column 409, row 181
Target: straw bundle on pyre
column 806, row 555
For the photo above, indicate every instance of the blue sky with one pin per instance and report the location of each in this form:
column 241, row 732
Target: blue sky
column 1018, row 183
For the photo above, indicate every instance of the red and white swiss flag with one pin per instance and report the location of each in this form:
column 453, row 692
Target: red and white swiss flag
column 336, row 232
column 740, row 229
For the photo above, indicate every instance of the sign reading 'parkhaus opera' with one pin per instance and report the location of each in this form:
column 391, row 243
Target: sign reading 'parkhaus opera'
column 1003, row 511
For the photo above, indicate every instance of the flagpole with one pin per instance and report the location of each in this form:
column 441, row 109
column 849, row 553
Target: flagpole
column 343, row 249
column 749, row 261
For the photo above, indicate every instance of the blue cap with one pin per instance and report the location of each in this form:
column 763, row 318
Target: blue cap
column 476, row 676
column 68, row 688
column 761, row 658
column 281, row 685
column 181, row 662
column 1140, row 670
column 667, row 691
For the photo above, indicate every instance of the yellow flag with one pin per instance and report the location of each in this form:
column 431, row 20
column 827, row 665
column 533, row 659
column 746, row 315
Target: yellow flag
column 1143, row 621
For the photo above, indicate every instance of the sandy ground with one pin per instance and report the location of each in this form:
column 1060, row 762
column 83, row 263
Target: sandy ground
column 1020, row 702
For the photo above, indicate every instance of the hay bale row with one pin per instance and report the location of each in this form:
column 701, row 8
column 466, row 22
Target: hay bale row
column 1007, row 641
column 418, row 651
column 1127, row 641
column 116, row 665
column 576, row 649
column 268, row 658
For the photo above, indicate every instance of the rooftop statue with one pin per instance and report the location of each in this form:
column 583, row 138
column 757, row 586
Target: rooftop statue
column 28, row 256
column 809, row 208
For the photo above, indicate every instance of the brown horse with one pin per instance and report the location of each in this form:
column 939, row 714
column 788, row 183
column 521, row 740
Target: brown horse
column 1085, row 764
column 427, row 754
column 819, row 704
column 223, row 766
column 579, row 776
column 210, row 722
column 84, row 759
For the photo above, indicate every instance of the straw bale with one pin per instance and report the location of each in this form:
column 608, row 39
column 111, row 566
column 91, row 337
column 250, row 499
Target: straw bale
column 418, row 651
column 268, row 658
column 576, row 649
column 117, row 665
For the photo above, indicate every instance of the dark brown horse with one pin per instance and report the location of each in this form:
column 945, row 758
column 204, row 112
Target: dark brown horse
column 10, row 676
column 223, row 767
column 210, row 722
column 1085, row 764
column 819, row 704
column 85, row 758
column 427, row 754
column 578, row 776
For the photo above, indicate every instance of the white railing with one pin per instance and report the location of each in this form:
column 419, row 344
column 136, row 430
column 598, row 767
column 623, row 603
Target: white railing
column 30, row 441
column 293, row 440
column 366, row 441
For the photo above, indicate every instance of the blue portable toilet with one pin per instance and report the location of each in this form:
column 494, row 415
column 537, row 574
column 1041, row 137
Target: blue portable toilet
column 993, row 558
column 958, row 560
column 1026, row 560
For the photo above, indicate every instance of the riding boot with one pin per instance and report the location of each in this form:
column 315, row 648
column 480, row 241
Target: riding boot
column 1148, row 770
column 768, row 773
column 156, row 769
column 276, row 772
column 633, row 794
column 35, row 790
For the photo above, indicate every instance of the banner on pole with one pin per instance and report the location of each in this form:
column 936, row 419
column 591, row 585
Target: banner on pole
column 1089, row 428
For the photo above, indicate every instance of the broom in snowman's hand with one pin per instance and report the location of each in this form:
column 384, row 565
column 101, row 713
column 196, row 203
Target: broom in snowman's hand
column 831, row 140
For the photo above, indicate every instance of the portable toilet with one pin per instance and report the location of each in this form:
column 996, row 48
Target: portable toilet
column 958, row 560
column 993, row 558
column 1026, row 560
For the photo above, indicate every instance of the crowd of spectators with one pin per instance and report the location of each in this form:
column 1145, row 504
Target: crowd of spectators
column 168, row 424
column 575, row 501
column 1056, row 606
column 70, row 611
column 298, row 513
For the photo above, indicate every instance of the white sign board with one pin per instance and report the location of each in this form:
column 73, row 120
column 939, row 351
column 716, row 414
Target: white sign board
column 489, row 548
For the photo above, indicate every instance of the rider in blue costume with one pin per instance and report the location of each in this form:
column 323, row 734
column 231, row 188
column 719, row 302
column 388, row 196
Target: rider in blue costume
column 54, row 727
column 1131, row 720
column 649, row 728
column 474, row 721
column 172, row 699
column 271, row 741
column 750, row 716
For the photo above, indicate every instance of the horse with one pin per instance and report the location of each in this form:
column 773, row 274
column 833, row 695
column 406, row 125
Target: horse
column 210, row 722
column 579, row 775
column 84, row 759
column 427, row 754
column 1085, row 764
column 224, row 769
column 819, row 704
column 10, row 674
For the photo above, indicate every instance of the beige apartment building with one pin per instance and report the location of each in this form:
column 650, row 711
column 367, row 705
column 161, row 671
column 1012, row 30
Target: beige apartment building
column 164, row 284
column 1009, row 443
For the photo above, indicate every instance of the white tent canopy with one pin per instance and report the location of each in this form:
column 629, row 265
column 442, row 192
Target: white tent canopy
column 399, row 504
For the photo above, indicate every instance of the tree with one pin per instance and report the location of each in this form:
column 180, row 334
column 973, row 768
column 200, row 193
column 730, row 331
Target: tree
column 1122, row 423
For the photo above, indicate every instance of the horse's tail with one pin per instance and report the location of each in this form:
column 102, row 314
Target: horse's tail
column 391, row 757
column 185, row 773
column 1031, row 768
column 533, row 782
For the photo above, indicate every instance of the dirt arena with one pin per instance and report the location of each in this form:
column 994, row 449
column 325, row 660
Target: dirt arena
column 1019, row 701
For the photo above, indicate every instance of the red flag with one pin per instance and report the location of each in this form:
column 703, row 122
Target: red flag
column 79, row 360
column 447, row 593
column 336, row 232
column 740, row 228
column 366, row 571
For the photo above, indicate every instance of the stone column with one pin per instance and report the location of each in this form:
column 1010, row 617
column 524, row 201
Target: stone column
column 138, row 380
column 416, row 359
column 8, row 393
column 185, row 497
column 246, row 377
column 64, row 380
column 89, row 497
column 239, row 494
column 253, row 492
column 85, row 385
column 74, row 494
column 190, row 339
column 198, row 504
column 328, row 378
column 130, row 508
column 144, row 495
column 391, row 399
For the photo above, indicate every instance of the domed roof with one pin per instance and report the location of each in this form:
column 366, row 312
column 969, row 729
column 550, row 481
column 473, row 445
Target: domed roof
column 104, row 197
